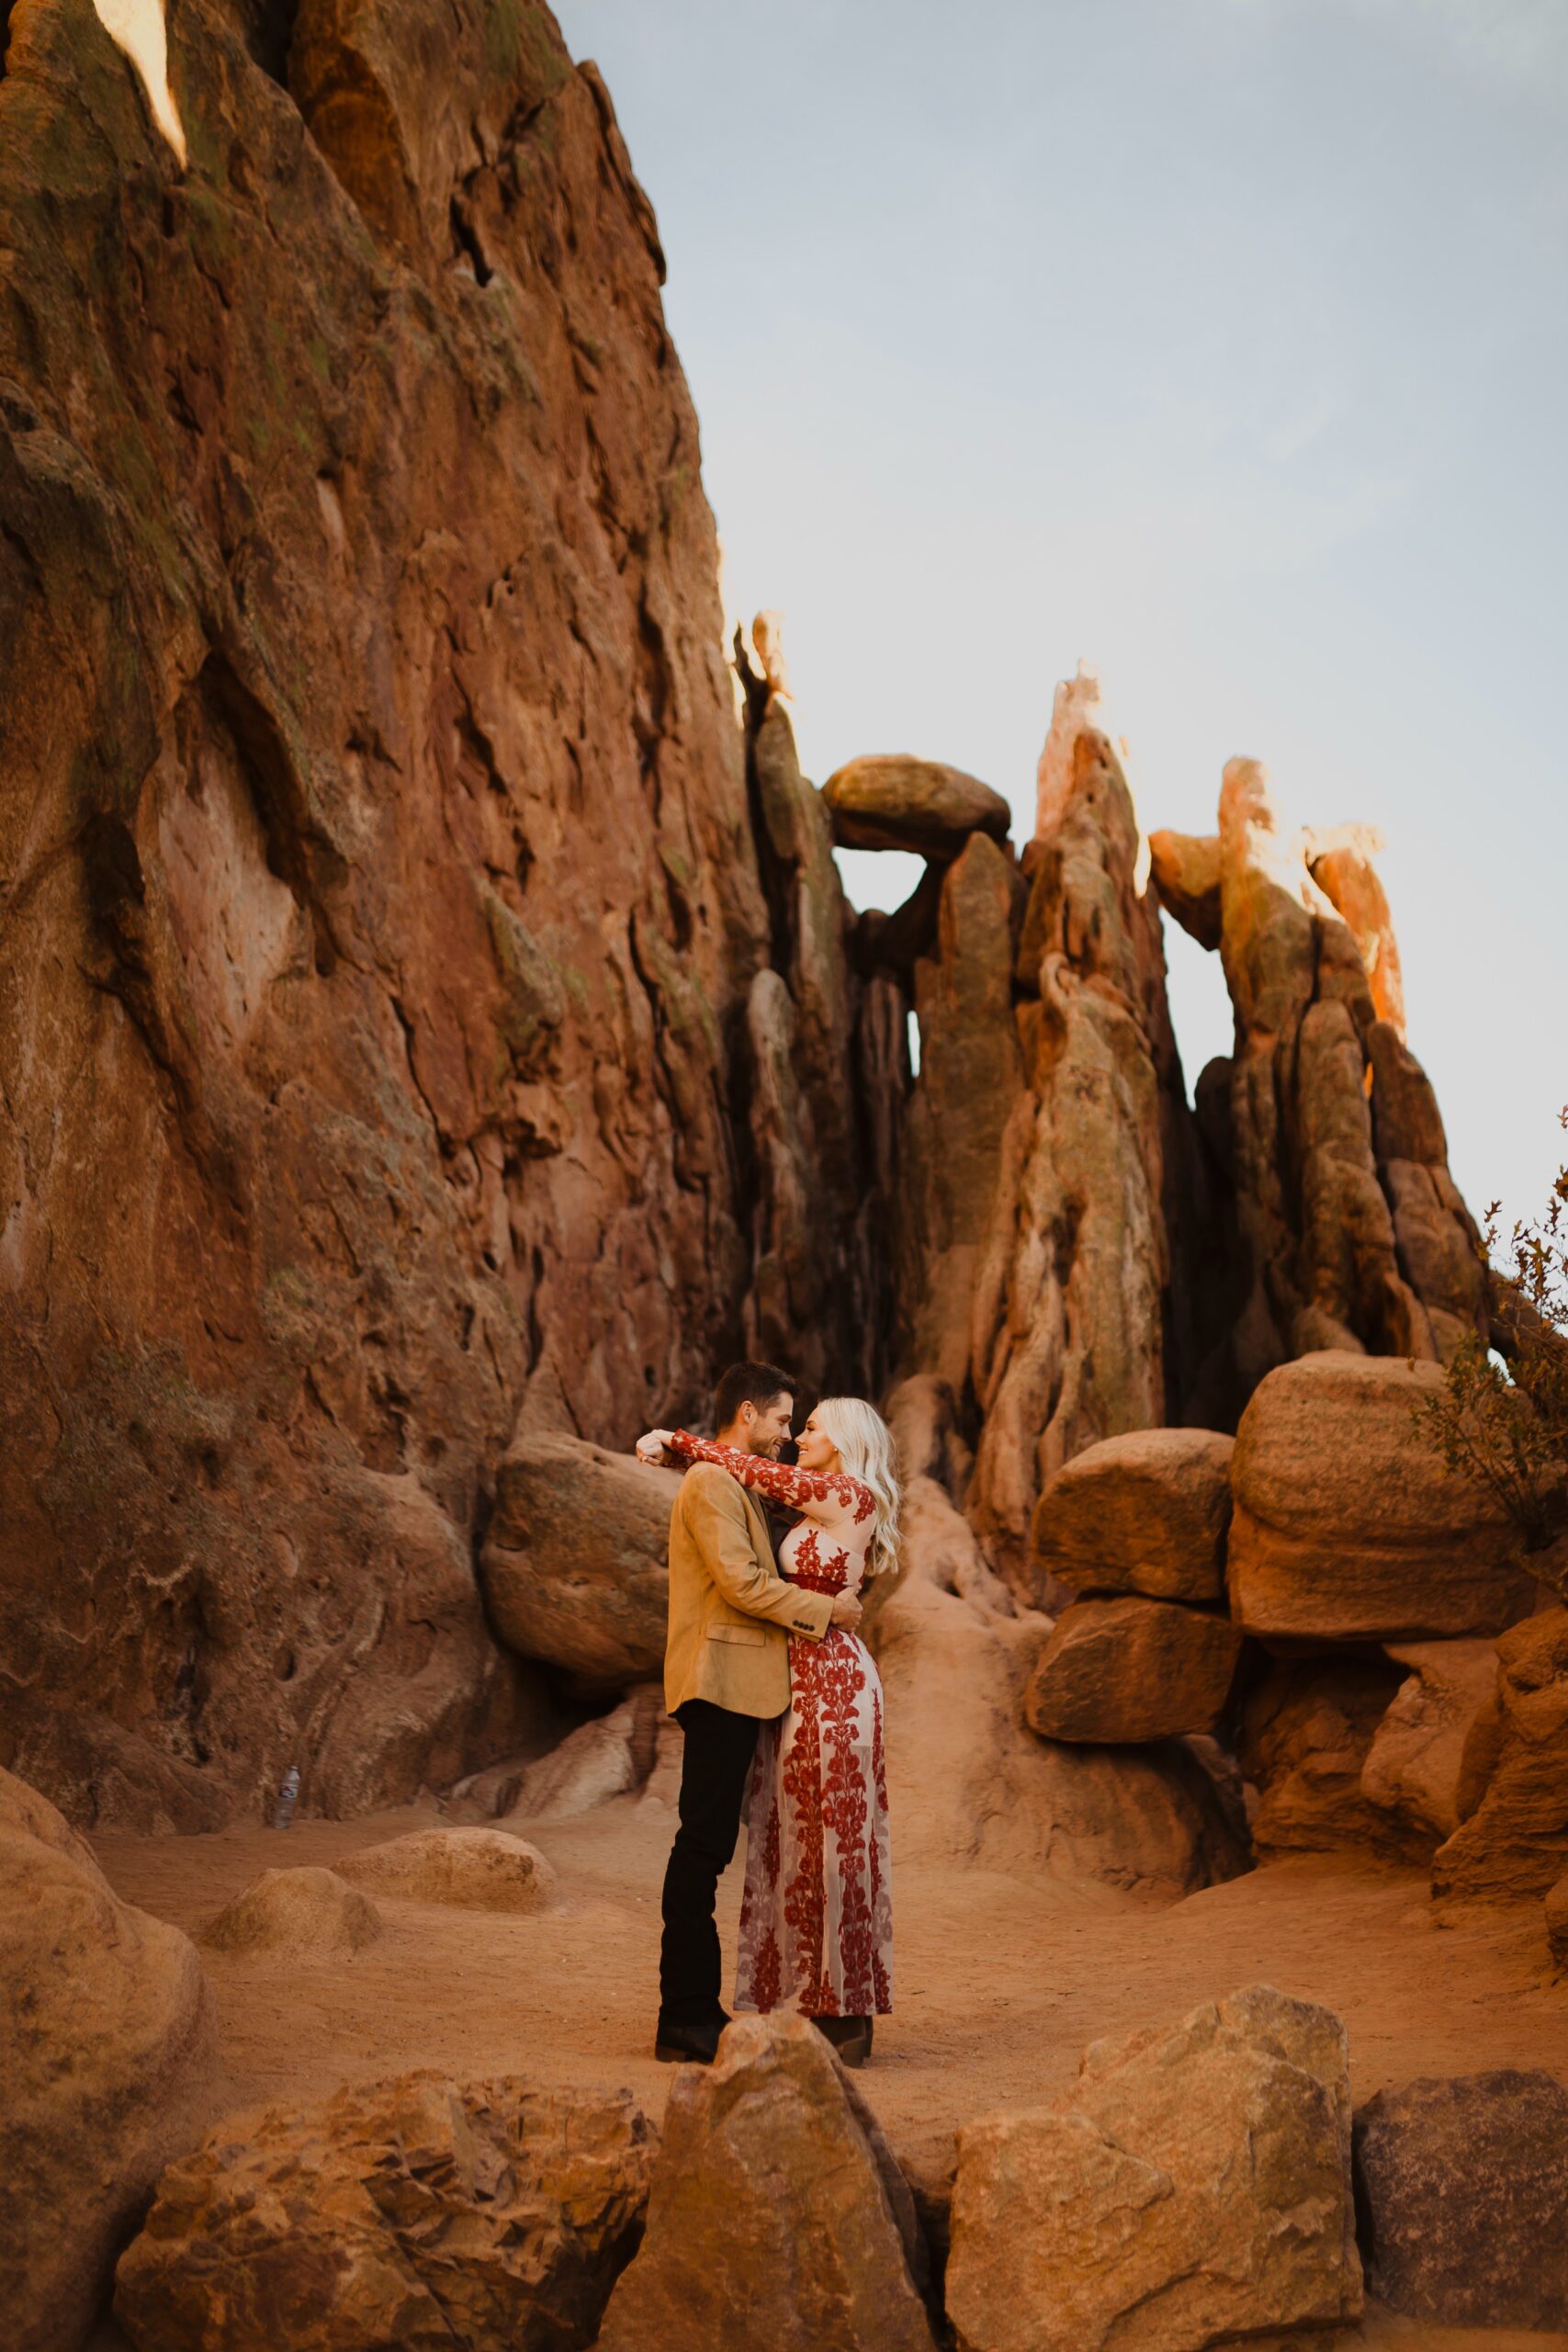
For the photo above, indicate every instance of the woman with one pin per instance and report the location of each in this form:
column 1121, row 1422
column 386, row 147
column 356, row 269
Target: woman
column 816, row 1918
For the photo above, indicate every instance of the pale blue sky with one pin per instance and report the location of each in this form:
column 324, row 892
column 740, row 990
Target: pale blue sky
column 1222, row 343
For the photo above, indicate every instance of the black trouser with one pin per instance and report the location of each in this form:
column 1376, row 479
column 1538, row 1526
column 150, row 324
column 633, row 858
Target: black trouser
column 719, row 1752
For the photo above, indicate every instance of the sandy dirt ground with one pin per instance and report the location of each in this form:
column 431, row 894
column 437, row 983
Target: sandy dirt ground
column 999, row 1985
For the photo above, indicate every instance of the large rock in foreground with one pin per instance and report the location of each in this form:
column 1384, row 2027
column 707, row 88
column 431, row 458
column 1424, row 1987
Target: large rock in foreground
column 1512, row 1790
column 575, row 1563
column 295, row 1915
column 1131, row 1669
column 1346, row 1527
column 1193, row 2183
column 891, row 801
column 438, row 2214
column 109, row 2059
column 1462, row 2191
column 778, row 2221
column 1146, row 1512
column 475, row 1870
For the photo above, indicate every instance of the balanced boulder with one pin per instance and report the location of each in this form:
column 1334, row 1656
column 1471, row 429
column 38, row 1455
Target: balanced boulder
column 1193, row 2183
column 411, row 2212
column 1462, row 2191
column 475, row 1870
column 1131, row 1669
column 576, row 1562
column 1146, row 1512
column 1513, row 1794
column 894, row 802
column 778, row 2220
column 108, row 2058
column 1347, row 1526
column 295, row 1915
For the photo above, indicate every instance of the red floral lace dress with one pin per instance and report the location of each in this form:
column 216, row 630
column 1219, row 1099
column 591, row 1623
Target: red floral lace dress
column 817, row 1915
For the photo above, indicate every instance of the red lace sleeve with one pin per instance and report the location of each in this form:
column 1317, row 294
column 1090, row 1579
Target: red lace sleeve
column 830, row 1500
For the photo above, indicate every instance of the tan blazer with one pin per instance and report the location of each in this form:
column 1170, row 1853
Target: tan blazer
column 730, row 1611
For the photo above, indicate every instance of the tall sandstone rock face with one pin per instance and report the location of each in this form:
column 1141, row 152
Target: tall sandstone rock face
column 1071, row 1337
column 828, row 1070
column 382, row 903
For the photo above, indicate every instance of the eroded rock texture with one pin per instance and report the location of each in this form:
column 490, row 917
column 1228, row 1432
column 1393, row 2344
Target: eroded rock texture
column 778, row 2218
column 1067, row 1332
column 108, row 2052
column 827, row 1072
column 1119, row 2215
column 1353, row 1232
column 439, row 2214
column 386, row 1005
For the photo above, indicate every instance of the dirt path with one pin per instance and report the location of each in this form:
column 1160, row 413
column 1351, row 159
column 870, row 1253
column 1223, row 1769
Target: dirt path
column 999, row 1985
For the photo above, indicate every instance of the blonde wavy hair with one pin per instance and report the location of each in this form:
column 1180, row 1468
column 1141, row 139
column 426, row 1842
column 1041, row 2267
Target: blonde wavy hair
column 865, row 1444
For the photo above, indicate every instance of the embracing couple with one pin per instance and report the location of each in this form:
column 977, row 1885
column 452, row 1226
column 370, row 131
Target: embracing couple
column 777, row 1693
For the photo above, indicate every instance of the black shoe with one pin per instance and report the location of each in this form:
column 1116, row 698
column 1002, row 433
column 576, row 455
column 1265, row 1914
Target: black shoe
column 687, row 2045
column 850, row 2038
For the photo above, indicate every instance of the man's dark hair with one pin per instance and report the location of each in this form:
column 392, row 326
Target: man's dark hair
column 748, row 1384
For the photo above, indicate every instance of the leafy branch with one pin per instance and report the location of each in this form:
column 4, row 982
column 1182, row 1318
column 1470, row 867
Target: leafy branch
column 1506, row 1429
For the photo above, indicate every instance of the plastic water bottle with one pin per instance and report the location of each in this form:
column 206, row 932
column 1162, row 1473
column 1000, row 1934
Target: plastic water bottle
column 288, row 1798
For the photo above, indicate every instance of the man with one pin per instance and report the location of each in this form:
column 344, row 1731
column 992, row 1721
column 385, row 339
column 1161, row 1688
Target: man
column 725, row 1670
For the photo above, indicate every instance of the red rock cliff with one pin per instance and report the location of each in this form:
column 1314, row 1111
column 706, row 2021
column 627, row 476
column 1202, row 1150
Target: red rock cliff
column 381, row 897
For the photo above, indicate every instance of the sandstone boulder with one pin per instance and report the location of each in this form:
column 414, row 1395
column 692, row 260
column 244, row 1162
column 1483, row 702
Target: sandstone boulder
column 890, row 802
column 475, row 1870
column 778, row 2220
column 1131, row 1669
column 109, row 2055
column 1304, row 1731
column 590, row 1765
column 439, row 2214
column 1144, row 1512
column 576, row 1561
column 1346, row 1527
column 1185, row 870
column 1513, row 1796
column 297, row 1914
column 1125, row 2214
column 1412, row 1769
column 1461, row 2186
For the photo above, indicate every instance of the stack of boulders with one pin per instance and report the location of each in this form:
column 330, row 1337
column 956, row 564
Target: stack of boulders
column 1133, row 1531
column 771, row 2215
column 1353, row 1619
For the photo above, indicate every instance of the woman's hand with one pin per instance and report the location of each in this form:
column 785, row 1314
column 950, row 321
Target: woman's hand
column 654, row 1446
